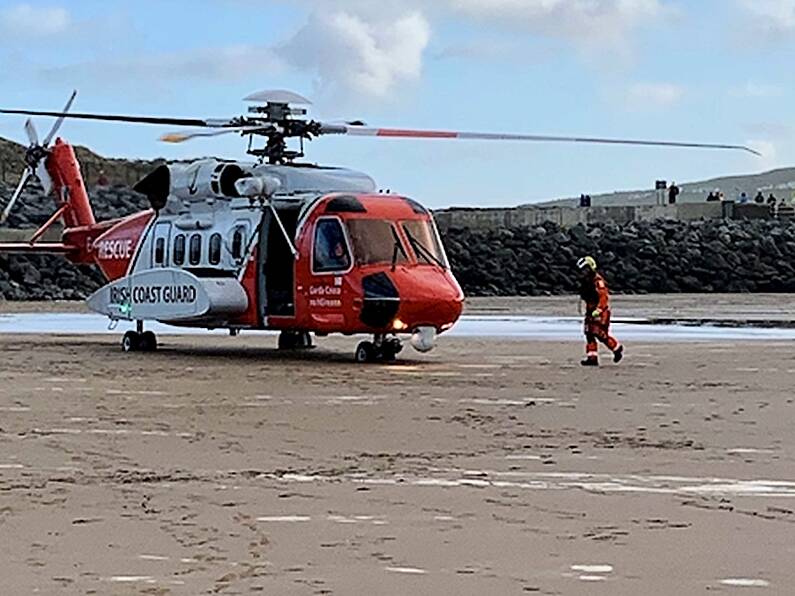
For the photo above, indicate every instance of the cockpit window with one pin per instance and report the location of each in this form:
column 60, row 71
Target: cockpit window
column 424, row 240
column 375, row 241
column 330, row 253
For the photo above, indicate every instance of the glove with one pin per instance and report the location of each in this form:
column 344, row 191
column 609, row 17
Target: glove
column 595, row 314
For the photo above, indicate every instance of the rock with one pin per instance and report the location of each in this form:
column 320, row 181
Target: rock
column 641, row 257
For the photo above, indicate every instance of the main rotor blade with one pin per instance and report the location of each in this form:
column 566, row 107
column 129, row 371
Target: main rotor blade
column 30, row 130
column 479, row 136
column 60, row 120
column 186, row 135
column 25, row 177
column 120, row 118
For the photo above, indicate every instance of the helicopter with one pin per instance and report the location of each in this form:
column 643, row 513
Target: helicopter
column 273, row 243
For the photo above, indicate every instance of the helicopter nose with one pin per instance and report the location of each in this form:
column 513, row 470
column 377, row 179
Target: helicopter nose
column 429, row 298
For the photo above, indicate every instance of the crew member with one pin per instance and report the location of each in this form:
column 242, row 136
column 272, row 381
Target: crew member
column 594, row 292
column 673, row 193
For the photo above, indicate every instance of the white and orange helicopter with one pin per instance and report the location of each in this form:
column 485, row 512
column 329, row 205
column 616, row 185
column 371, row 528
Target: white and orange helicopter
column 267, row 244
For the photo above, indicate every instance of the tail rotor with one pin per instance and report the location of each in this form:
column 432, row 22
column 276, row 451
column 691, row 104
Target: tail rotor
column 35, row 159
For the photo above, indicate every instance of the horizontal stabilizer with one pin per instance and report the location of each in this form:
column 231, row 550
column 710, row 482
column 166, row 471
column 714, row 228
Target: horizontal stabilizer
column 38, row 248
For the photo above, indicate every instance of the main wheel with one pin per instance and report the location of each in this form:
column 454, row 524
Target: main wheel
column 365, row 352
column 304, row 341
column 148, row 342
column 131, row 342
column 295, row 340
column 390, row 349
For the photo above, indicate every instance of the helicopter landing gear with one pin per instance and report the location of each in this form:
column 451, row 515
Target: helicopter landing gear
column 139, row 340
column 148, row 342
column 295, row 340
column 381, row 349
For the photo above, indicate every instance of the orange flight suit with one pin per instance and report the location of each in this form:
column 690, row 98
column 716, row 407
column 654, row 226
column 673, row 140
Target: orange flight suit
column 596, row 296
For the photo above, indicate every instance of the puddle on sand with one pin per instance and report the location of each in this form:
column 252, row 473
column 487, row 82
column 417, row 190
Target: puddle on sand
column 284, row 518
column 741, row 582
column 495, row 402
column 406, row 570
column 599, row 483
column 592, row 568
column 132, row 579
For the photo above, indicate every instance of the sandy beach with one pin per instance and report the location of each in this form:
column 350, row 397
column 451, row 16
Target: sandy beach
column 488, row 466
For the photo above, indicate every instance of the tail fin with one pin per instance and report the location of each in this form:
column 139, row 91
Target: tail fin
column 58, row 166
column 63, row 167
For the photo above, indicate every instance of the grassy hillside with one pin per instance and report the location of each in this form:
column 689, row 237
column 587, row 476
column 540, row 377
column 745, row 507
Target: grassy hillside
column 118, row 171
column 780, row 182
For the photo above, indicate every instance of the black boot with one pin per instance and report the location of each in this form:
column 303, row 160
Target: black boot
column 618, row 355
column 590, row 361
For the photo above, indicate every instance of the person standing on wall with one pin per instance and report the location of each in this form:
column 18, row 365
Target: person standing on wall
column 673, row 193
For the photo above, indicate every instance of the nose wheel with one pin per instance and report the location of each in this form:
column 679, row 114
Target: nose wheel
column 139, row 340
column 381, row 349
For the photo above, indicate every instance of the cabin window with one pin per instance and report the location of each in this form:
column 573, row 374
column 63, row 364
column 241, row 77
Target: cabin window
column 160, row 250
column 195, row 249
column 330, row 253
column 424, row 240
column 238, row 242
column 214, row 255
column 179, row 249
column 375, row 241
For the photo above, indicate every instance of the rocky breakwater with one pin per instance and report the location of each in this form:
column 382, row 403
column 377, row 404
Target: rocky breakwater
column 51, row 277
column 642, row 257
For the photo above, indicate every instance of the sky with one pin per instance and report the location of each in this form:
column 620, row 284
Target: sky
column 708, row 71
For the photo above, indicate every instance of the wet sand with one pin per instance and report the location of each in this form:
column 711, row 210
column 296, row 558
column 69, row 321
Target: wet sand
column 486, row 467
column 719, row 307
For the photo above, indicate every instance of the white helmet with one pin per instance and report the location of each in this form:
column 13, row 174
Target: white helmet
column 587, row 263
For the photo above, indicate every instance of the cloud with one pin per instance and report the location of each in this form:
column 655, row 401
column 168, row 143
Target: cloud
column 580, row 20
column 656, row 95
column 771, row 15
column 28, row 21
column 154, row 72
column 779, row 131
column 585, row 21
column 367, row 50
column 491, row 50
column 755, row 90
column 351, row 54
column 769, row 151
